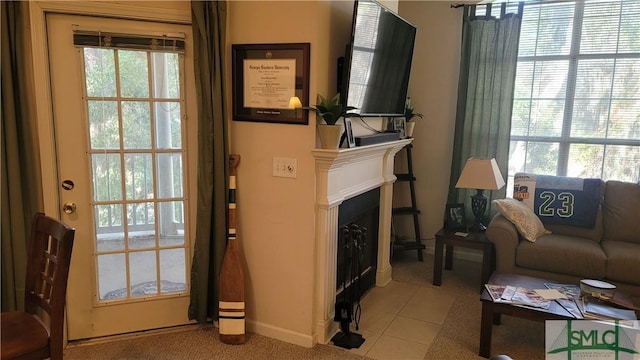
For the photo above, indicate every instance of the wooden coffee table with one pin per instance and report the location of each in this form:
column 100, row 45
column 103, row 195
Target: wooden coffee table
column 491, row 311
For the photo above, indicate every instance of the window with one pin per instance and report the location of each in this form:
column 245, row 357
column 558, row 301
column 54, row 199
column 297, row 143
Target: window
column 576, row 107
column 134, row 99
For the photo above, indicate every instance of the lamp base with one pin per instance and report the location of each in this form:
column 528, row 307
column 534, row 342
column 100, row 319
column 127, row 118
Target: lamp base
column 478, row 227
column 479, row 206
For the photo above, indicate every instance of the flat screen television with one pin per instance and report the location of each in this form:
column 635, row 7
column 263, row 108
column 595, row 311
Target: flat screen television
column 377, row 62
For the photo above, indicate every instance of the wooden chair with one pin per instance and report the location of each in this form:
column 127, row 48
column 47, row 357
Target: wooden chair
column 30, row 334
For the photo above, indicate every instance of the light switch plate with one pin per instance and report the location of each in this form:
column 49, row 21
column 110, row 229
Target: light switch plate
column 285, row 167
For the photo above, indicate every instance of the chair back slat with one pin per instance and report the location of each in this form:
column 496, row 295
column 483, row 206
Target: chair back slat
column 48, row 263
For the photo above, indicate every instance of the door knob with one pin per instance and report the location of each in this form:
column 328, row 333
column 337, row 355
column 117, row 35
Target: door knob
column 69, row 207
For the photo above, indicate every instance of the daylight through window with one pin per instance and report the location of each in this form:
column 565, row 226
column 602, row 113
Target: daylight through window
column 576, row 107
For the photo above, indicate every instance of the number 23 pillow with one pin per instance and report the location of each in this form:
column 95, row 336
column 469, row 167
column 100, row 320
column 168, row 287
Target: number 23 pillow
column 560, row 199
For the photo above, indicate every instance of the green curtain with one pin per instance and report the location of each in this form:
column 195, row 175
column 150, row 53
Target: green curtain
column 485, row 94
column 209, row 28
column 21, row 179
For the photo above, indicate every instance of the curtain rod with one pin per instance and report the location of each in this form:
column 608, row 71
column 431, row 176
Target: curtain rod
column 455, row 6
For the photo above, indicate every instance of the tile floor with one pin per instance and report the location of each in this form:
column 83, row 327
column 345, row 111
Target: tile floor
column 397, row 324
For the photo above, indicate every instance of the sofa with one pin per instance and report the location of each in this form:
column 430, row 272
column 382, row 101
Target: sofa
column 609, row 251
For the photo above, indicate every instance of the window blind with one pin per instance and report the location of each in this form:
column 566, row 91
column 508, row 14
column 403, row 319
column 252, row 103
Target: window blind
column 576, row 107
column 129, row 42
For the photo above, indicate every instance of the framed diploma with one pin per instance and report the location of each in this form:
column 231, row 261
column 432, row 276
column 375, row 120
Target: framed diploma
column 266, row 77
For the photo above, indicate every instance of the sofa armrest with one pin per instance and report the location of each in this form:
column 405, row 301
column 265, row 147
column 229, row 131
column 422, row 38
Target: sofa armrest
column 504, row 236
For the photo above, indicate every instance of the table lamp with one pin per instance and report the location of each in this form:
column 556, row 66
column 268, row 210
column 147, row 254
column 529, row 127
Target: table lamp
column 295, row 104
column 480, row 174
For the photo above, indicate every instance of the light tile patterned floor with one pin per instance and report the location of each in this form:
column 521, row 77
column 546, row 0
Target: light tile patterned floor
column 401, row 320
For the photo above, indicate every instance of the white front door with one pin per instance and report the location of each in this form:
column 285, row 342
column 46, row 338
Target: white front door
column 125, row 125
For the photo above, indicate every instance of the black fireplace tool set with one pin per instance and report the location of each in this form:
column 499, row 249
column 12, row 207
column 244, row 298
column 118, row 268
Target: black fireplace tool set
column 348, row 307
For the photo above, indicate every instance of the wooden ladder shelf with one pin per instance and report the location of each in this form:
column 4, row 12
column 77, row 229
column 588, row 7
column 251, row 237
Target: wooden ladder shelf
column 401, row 244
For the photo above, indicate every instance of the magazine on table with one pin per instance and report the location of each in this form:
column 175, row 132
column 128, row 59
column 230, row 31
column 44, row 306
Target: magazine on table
column 516, row 296
column 572, row 303
column 599, row 309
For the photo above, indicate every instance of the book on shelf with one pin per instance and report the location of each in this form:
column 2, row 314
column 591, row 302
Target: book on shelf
column 516, row 296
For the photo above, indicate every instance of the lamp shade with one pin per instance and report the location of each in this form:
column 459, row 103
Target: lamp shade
column 480, row 173
column 294, row 103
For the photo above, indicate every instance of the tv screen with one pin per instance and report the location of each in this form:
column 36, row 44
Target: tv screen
column 378, row 61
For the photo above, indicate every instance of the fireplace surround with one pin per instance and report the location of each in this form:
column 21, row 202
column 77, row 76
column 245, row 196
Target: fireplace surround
column 342, row 174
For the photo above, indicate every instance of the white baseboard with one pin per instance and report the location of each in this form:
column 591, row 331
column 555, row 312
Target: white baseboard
column 281, row 334
column 307, row 341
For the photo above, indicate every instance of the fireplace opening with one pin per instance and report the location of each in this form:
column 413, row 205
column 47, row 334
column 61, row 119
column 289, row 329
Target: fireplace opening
column 363, row 212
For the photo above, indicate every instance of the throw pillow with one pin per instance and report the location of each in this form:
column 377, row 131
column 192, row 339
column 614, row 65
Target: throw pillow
column 560, row 199
column 524, row 219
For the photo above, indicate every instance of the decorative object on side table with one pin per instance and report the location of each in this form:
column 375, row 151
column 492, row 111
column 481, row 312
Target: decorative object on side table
column 409, row 116
column 480, row 174
column 331, row 110
column 455, row 218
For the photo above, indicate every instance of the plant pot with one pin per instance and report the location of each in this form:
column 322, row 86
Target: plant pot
column 409, row 126
column 330, row 135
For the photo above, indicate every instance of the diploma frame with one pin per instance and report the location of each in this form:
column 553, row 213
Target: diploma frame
column 248, row 85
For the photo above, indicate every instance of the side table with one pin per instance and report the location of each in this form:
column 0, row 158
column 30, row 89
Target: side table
column 446, row 240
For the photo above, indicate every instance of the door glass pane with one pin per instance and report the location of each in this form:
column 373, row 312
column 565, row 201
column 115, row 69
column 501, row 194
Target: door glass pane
column 139, row 176
column 136, row 125
column 134, row 74
column 103, row 124
column 143, row 273
column 100, row 72
column 171, row 224
column 140, row 225
column 172, row 274
column 168, row 125
column 166, row 75
column 107, row 179
column 169, row 169
column 112, row 276
column 109, row 227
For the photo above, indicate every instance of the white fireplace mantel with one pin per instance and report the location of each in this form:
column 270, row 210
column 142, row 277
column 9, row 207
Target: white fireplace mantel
column 340, row 175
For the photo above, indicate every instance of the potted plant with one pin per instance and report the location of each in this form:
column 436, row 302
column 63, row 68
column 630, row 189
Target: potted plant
column 331, row 110
column 409, row 115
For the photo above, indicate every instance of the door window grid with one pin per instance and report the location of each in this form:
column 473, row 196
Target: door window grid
column 135, row 255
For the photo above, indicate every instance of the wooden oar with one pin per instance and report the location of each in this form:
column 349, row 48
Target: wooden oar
column 231, row 305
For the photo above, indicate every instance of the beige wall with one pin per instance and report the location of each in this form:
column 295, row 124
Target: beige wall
column 433, row 90
column 276, row 215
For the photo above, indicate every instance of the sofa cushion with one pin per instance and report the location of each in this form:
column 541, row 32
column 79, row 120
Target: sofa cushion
column 527, row 223
column 563, row 254
column 621, row 212
column 594, row 234
column 623, row 261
